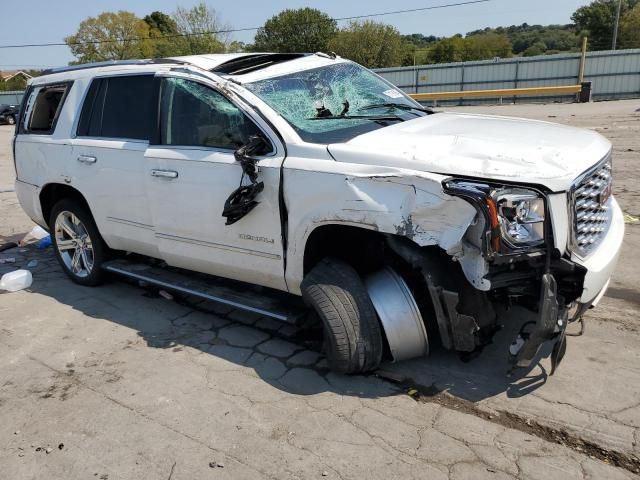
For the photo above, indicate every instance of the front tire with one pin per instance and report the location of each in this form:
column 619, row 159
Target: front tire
column 11, row 120
column 78, row 245
column 353, row 339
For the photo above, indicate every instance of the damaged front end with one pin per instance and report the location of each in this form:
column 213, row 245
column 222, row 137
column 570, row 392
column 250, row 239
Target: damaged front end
column 523, row 267
column 507, row 257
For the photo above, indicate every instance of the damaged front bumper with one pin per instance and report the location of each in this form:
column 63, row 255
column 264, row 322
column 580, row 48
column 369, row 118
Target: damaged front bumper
column 550, row 325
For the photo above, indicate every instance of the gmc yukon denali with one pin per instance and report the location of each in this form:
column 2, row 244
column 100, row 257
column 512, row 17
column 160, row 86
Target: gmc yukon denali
column 281, row 183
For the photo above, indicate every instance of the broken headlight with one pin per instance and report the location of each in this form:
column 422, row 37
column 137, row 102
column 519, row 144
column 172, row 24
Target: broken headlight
column 521, row 217
column 515, row 216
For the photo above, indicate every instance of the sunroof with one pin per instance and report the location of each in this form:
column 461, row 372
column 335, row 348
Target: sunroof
column 251, row 63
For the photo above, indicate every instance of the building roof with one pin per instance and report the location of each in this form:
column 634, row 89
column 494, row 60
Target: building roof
column 9, row 74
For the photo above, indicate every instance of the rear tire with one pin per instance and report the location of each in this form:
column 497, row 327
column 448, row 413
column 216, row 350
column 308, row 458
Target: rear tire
column 353, row 338
column 77, row 242
column 11, row 120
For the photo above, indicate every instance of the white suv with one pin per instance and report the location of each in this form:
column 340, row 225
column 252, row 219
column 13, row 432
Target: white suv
column 311, row 175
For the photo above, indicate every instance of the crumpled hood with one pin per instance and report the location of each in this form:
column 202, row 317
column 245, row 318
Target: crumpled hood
column 481, row 146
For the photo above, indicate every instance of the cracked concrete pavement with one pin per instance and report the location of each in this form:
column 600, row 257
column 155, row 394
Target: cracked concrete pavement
column 134, row 386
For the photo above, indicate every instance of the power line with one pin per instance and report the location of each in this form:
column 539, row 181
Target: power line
column 246, row 29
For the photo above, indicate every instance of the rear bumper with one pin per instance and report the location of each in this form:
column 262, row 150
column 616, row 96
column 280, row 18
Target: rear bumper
column 601, row 263
column 29, row 198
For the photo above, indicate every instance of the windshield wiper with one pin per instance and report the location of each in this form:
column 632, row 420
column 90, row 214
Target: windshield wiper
column 399, row 106
column 360, row 117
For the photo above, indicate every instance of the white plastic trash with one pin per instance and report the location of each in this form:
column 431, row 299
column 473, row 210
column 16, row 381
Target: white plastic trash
column 17, row 280
column 34, row 235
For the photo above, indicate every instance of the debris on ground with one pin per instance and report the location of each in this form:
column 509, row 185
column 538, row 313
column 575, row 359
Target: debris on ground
column 36, row 233
column 7, row 260
column 8, row 246
column 32, row 264
column 165, row 294
column 631, row 219
column 16, row 280
column 44, row 242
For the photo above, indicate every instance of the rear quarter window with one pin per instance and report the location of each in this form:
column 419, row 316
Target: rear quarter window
column 42, row 108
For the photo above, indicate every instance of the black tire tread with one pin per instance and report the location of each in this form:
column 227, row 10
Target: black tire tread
column 339, row 297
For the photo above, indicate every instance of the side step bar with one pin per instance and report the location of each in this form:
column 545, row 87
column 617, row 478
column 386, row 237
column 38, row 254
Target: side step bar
column 270, row 303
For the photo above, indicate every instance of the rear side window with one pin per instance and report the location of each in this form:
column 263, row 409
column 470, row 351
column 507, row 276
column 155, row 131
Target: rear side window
column 119, row 107
column 43, row 108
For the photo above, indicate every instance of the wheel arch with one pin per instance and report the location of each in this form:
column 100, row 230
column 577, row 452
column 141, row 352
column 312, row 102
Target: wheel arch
column 52, row 193
column 339, row 240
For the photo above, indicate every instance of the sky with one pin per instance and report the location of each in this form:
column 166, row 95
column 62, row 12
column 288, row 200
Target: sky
column 40, row 21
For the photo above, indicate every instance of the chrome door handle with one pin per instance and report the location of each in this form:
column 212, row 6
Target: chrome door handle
column 164, row 173
column 87, row 159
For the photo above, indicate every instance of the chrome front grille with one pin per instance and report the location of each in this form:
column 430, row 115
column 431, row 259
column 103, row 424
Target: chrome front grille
column 591, row 213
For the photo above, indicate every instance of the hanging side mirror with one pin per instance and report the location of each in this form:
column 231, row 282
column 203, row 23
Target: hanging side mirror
column 256, row 145
column 242, row 200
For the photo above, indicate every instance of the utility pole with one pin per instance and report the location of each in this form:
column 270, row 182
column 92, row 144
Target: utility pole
column 615, row 26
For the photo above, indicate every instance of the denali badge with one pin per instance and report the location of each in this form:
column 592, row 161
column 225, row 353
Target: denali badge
column 245, row 236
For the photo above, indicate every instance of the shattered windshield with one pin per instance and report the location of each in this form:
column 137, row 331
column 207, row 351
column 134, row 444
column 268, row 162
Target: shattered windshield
column 318, row 103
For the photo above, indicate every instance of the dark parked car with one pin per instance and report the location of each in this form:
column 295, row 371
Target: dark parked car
column 9, row 113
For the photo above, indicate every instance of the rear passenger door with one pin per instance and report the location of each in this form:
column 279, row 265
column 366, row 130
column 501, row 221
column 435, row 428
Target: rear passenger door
column 117, row 121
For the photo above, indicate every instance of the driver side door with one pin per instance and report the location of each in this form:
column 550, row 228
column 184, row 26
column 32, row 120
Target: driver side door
column 192, row 171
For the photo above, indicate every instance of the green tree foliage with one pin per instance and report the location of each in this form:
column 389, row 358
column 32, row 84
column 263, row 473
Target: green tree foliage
column 163, row 31
column 420, row 40
column 447, row 50
column 596, row 20
column 238, row 47
column 17, row 83
column 301, row 30
column 203, row 30
column 557, row 38
column 110, row 36
column 371, row 44
column 487, row 45
column 538, row 48
column 630, row 28
column 162, row 23
column 476, row 47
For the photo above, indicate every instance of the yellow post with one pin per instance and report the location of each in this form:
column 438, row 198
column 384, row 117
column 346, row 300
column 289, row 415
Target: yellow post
column 583, row 60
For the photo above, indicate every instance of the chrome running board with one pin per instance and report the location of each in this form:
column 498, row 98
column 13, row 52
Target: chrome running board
column 250, row 298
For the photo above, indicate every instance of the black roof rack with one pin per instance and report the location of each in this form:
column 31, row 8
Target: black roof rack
column 109, row 63
column 251, row 63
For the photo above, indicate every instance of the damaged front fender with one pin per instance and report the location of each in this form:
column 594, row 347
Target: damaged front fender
column 411, row 205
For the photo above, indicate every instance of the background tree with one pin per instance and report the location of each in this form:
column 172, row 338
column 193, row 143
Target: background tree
column 16, row 83
column 597, row 19
column 447, row 50
column 630, row 28
column 163, row 31
column 487, row 45
column 162, row 23
column 110, row 36
column 301, row 30
column 238, row 47
column 538, row 48
column 203, row 30
column 554, row 38
column 369, row 43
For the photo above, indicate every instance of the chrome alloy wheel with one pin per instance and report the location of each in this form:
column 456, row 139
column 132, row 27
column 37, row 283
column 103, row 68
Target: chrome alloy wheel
column 74, row 244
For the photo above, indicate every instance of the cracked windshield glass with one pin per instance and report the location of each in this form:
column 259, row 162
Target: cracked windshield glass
column 320, row 104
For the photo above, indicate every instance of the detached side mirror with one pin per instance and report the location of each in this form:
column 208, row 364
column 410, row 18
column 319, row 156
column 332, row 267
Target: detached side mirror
column 256, row 145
